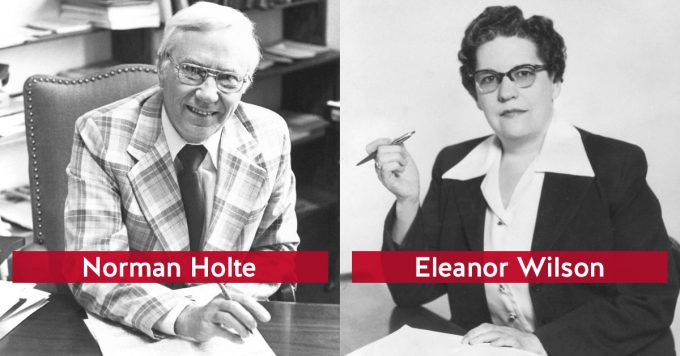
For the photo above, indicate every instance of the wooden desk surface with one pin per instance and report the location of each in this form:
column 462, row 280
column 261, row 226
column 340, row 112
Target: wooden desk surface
column 58, row 329
column 368, row 314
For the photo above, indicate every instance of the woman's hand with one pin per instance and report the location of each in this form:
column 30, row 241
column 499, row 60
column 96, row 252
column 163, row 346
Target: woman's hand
column 504, row 336
column 396, row 170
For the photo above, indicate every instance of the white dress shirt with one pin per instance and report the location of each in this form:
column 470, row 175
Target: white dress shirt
column 207, row 172
column 511, row 228
column 208, row 182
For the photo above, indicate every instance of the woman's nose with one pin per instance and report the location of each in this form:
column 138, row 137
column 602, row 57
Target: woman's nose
column 507, row 90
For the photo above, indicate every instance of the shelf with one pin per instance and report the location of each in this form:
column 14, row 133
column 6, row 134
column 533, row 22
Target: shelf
column 281, row 69
column 313, row 136
column 313, row 199
column 294, row 3
column 56, row 36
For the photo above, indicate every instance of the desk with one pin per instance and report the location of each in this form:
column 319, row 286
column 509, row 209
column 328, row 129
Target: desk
column 58, row 329
column 369, row 313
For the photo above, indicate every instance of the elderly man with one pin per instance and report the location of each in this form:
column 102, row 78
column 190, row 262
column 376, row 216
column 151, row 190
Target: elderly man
column 184, row 166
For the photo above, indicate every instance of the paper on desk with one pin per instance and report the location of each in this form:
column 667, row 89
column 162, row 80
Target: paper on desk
column 115, row 340
column 17, row 212
column 10, row 294
column 412, row 341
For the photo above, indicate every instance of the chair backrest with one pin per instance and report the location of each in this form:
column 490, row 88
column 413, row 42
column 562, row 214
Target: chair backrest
column 52, row 105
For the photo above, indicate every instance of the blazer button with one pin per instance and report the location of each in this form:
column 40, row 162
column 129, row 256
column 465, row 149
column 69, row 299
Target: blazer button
column 512, row 317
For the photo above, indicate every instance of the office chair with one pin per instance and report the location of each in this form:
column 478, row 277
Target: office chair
column 52, row 105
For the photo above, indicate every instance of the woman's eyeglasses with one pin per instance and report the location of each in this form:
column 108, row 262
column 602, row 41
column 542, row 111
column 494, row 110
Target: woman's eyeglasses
column 193, row 74
column 523, row 75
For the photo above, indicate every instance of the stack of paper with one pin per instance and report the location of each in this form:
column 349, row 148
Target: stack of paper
column 60, row 25
column 295, row 50
column 114, row 15
column 116, row 340
column 17, row 302
column 411, row 341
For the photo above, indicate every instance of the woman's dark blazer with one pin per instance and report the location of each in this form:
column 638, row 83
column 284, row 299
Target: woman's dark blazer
column 614, row 210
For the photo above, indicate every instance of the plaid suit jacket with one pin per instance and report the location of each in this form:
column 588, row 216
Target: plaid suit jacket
column 123, row 195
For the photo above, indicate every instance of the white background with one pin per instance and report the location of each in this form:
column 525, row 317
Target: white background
column 400, row 73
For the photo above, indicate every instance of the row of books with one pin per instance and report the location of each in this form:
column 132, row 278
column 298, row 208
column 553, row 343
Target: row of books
column 245, row 5
column 113, row 14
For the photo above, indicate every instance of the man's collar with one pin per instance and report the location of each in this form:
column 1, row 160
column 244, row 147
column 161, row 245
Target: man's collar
column 176, row 142
column 562, row 152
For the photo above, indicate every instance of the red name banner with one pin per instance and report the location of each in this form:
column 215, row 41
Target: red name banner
column 169, row 267
column 510, row 267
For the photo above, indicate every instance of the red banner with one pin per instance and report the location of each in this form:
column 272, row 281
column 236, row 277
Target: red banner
column 169, row 267
column 510, row 267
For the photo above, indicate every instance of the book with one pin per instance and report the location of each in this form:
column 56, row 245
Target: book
column 295, row 50
column 108, row 2
column 115, row 17
column 60, row 25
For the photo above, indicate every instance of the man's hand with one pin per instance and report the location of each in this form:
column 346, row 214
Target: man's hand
column 504, row 336
column 213, row 319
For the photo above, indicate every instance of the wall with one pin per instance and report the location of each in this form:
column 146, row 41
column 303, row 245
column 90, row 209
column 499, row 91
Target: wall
column 400, row 73
column 46, row 57
column 333, row 24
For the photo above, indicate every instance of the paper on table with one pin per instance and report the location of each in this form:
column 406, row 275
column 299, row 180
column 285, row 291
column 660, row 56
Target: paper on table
column 412, row 341
column 115, row 340
column 11, row 292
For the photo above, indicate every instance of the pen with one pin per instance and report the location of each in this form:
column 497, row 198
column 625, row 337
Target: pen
column 227, row 296
column 397, row 141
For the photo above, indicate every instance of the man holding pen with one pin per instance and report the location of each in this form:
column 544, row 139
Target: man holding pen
column 184, row 166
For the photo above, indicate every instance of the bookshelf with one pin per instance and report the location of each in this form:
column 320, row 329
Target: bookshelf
column 53, row 37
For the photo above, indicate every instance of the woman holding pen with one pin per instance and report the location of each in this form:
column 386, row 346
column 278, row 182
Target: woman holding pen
column 538, row 183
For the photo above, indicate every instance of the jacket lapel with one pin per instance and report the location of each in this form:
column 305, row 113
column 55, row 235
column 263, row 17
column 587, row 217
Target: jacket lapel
column 472, row 207
column 561, row 197
column 241, row 180
column 154, row 181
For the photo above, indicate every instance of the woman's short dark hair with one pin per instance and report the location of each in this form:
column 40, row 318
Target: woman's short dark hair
column 509, row 22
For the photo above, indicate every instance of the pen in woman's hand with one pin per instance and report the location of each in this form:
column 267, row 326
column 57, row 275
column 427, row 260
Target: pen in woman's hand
column 227, row 296
column 397, row 141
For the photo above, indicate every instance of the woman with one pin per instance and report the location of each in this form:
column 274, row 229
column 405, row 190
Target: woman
column 537, row 184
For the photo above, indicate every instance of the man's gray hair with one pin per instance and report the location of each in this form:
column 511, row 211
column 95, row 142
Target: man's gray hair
column 204, row 17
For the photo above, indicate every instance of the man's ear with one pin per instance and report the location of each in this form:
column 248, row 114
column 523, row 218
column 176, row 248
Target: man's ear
column 161, row 72
column 161, row 75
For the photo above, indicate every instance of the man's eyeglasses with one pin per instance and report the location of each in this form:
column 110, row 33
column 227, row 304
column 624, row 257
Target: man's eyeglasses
column 193, row 74
column 523, row 75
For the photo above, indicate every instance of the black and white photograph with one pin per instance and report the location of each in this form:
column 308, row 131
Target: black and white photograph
column 509, row 126
column 173, row 126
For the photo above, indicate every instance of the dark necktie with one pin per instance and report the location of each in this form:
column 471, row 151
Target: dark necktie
column 191, row 157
